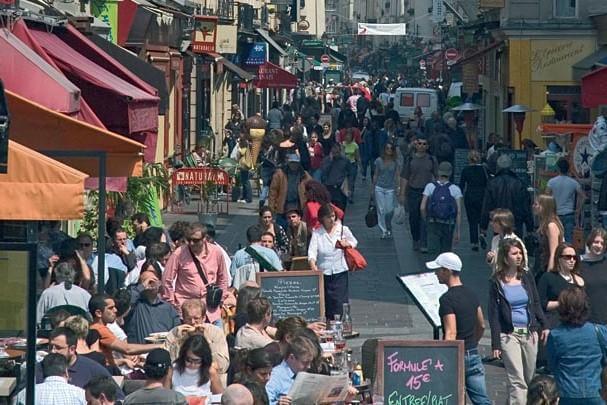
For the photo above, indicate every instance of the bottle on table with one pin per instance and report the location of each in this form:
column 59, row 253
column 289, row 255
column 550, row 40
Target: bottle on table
column 346, row 320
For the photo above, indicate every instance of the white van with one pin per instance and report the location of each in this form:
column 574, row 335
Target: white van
column 406, row 99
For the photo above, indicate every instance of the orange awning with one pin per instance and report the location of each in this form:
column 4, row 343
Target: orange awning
column 565, row 129
column 37, row 187
column 41, row 129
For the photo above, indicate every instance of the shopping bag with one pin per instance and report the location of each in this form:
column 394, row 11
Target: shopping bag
column 399, row 214
column 356, row 261
column 371, row 217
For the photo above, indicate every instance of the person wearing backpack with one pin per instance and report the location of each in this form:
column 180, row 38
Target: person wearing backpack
column 441, row 207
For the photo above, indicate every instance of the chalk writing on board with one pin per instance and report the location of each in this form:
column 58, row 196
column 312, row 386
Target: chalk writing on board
column 293, row 296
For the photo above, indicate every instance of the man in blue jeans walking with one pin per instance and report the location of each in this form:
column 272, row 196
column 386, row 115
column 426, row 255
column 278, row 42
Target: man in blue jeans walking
column 462, row 319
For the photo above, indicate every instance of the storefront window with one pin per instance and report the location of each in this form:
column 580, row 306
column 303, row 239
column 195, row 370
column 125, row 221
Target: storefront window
column 565, row 8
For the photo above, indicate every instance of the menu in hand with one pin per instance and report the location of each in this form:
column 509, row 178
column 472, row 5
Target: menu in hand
column 420, row 372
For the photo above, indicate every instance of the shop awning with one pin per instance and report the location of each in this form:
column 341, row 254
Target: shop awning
column 594, row 88
column 42, row 129
column 21, row 31
column 270, row 76
column 266, row 37
column 123, row 107
column 150, row 74
column 37, row 187
column 218, row 58
column 598, row 58
column 19, row 61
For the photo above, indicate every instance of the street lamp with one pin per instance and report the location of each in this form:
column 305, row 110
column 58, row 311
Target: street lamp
column 518, row 112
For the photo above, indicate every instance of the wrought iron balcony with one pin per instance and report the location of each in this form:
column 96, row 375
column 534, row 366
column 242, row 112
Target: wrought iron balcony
column 222, row 9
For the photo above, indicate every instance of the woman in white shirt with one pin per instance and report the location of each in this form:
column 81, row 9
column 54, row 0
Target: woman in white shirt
column 194, row 374
column 323, row 255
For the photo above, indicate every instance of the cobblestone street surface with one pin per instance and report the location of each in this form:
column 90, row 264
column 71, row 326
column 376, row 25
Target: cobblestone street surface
column 380, row 305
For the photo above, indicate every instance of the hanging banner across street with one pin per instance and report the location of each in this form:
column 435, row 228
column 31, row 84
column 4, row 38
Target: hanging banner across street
column 381, row 29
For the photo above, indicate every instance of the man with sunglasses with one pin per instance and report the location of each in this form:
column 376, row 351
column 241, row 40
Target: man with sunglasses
column 188, row 267
column 419, row 170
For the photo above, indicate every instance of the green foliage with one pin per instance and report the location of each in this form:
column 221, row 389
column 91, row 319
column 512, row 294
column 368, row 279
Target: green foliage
column 138, row 197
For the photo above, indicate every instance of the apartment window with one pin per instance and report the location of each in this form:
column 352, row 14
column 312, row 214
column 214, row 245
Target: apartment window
column 330, row 5
column 331, row 24
column 565, row 8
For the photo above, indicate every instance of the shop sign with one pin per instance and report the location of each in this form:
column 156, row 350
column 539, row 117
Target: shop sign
column 255, row 54
column 552, row 59
column 227, row 36
column 193, row 176
column 205, row 34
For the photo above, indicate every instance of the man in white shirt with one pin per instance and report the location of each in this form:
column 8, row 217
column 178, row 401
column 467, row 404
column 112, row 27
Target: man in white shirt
column 441, row 207
column 569, row 198
column 55, row 388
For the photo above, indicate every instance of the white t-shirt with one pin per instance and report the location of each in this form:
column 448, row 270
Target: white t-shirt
column 454, row 190
column 187, row 384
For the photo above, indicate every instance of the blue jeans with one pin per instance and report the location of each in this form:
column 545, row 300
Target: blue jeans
column 247, row 192
column 568, row 222
column 475, row 378
column 581, row 401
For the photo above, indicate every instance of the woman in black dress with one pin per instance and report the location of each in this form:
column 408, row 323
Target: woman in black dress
column 473, row 182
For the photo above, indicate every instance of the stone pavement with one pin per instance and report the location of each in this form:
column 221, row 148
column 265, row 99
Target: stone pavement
column 380, row 305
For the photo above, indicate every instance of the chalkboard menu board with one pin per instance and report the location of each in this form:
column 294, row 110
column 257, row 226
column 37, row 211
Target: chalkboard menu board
column 460, row 161
column 293, row 293
column 519, row 164
column 421, row 372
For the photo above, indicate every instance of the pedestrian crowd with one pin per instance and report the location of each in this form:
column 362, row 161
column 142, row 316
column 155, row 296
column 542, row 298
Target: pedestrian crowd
column 180, row 286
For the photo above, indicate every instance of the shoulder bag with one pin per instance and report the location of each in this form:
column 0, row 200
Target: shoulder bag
column 371, row 216
column 354, row 259
column 214, row 292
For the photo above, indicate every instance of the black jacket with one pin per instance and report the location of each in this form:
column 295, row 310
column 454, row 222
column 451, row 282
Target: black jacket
column 506, row 190
column 500, row 312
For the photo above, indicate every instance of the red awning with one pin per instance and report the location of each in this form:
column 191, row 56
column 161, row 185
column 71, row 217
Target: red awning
column 88, row 48
column 594, row 88
column 271, row 76
column 21, row 31
column 19, row 61
column 123, row 107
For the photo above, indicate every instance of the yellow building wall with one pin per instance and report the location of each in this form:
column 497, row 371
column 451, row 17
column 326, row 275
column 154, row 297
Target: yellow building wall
column 535, row 64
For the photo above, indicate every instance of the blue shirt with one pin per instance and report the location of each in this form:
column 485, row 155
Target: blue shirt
column 574, row 354
column 518, row 299
column 280, row 382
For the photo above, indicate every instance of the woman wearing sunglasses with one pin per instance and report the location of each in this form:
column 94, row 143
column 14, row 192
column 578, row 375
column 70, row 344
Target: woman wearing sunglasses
column 564, row 274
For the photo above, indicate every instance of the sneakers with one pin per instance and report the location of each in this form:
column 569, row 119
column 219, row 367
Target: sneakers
column 475, row 247
column 483, row 241
column 389, row 234
column 423, row 249
column 383, row 235
column 242, row 201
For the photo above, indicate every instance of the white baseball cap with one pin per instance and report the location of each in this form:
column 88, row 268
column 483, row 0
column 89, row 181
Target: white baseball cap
column 448, row 260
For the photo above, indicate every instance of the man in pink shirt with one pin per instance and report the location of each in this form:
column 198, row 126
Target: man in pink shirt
column 182, row 281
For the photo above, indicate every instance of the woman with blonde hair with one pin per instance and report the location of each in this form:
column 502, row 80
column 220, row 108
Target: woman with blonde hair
column 550, row 234
column 80, row 326
column 516, row 318
column 473, row 182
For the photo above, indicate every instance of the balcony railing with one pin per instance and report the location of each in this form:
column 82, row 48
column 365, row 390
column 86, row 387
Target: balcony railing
column 223, row 9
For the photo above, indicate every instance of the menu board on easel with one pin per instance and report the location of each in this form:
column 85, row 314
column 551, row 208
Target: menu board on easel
column 294, row 293
column 460, row 160
column 420, row 372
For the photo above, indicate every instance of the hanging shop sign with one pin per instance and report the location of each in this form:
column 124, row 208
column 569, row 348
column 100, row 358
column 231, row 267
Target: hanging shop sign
column 205, row 34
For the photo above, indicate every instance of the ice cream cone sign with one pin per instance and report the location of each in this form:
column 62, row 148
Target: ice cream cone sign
column 257, row 129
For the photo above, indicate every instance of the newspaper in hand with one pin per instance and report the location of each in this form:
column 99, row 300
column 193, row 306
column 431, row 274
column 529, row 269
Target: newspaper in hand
column 310, row 388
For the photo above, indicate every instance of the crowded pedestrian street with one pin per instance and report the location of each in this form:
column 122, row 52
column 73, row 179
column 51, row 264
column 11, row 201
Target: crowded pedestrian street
column 303, row 202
